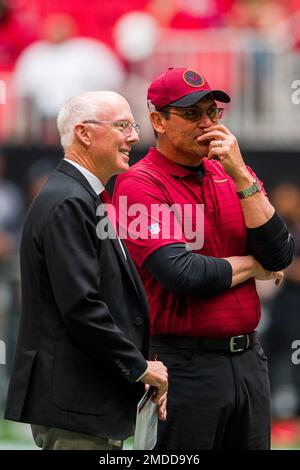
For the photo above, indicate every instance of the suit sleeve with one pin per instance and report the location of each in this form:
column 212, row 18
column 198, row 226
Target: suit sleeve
column 71, row 244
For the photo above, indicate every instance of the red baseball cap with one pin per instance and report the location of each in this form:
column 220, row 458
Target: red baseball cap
column 180, row 87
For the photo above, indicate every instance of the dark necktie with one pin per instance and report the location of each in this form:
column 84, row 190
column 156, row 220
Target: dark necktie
column 105, row 197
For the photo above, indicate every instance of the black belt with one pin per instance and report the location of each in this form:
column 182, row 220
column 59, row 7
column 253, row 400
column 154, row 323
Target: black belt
column 232, row 344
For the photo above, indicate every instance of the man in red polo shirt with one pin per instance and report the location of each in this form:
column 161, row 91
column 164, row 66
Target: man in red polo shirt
column 199, row 257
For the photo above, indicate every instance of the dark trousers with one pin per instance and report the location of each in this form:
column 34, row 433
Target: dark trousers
column 216, row 400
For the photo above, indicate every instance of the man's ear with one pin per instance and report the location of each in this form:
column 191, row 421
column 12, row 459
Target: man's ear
column 82, row 133
column 158, row 122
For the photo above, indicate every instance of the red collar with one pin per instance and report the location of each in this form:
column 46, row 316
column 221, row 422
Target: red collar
column 173, row 168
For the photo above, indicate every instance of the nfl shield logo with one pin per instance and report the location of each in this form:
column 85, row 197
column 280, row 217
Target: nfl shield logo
column 154, row 229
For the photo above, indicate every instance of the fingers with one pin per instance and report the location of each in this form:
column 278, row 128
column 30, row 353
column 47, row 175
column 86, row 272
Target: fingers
column 162, row 408
column 157, row 367
column 221, row 145
column 216, row 144
column 212, row 135
column 159, row 393
column 215, row 151
column 218, row 127
column 215, row 133
column 157, row 375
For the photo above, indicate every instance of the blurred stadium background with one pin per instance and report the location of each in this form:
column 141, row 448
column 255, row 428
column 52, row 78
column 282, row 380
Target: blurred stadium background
column 251, row 48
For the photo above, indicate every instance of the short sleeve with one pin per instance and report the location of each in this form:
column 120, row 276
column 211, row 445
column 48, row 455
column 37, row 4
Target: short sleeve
column 145, row 220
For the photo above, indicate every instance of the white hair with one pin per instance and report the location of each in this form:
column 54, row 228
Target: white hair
column 79, row 108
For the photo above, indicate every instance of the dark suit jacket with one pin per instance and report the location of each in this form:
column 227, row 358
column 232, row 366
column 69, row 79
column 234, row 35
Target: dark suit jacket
column 84, row 327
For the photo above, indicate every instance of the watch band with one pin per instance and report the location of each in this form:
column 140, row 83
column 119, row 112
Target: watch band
column 254, row 188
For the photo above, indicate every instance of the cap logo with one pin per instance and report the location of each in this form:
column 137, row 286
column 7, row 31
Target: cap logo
column 192, row 78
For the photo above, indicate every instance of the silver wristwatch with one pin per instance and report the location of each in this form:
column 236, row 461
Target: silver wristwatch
column 254, row 188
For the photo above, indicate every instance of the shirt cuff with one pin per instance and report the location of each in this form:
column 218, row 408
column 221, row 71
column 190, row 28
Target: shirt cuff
column 141, row 376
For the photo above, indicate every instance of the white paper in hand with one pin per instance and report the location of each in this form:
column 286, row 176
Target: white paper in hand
column 145, row 435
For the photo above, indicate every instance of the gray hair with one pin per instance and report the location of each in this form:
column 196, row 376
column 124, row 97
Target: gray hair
column 79, row 108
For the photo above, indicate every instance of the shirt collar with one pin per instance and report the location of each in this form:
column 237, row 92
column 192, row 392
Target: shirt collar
column 173, row 168
column 92, row 179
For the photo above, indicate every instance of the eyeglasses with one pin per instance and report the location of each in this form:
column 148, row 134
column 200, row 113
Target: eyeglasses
column 124, row 126
column 195, row 113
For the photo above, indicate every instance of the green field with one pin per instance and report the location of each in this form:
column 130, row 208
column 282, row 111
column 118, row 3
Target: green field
column 17, row 436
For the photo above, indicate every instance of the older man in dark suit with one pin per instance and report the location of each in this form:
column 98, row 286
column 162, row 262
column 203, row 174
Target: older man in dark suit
column 80, row 359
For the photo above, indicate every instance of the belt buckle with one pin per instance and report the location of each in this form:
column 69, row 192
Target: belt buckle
column 232, row 343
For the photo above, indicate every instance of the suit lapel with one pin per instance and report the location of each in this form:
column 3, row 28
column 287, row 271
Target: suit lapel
column 127, row 264
column 137, row 279
column 73, row 172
